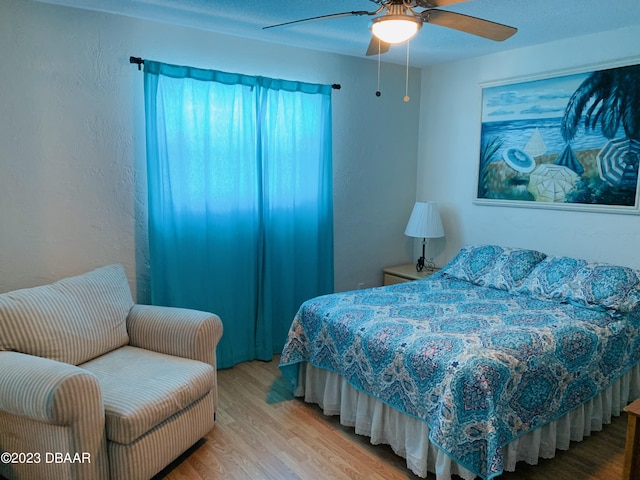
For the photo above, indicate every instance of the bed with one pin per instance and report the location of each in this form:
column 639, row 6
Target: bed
column 504, row 355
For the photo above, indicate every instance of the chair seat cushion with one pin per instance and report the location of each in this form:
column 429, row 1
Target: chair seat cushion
column 141, row 388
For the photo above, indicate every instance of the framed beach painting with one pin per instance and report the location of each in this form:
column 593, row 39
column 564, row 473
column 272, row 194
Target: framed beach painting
column 569, row 141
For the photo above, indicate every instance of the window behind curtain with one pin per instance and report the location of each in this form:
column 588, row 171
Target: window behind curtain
column 240, row 200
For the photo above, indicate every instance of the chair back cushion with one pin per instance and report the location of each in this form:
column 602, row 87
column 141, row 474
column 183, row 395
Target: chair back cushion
column 72, row 320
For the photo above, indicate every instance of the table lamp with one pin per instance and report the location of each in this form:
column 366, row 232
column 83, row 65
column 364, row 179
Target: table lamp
column 424, row 222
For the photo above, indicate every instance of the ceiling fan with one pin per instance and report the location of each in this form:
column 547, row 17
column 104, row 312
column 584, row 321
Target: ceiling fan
column 400, row 20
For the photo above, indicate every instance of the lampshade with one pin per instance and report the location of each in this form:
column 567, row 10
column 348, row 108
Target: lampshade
column 425, row 221
column 395, row 28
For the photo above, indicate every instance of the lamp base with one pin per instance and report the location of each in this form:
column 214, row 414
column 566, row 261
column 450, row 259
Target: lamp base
column 422, row 264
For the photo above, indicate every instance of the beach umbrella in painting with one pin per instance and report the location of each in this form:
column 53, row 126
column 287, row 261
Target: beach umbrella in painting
column 519, row 160
column 550, row 182
column 535, row 145
column 618, row 161
column 568, row 159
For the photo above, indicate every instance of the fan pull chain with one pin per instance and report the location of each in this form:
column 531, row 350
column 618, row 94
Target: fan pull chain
column 406, row 84
column 379, row 53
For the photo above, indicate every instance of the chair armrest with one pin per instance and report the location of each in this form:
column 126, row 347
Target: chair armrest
column 175, row 331
column 46, row 390
column 48, row 406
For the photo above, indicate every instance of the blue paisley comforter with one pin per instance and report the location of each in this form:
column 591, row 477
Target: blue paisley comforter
column 481, row 366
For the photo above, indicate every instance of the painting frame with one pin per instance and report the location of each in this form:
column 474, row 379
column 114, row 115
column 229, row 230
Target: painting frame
column 546, row 143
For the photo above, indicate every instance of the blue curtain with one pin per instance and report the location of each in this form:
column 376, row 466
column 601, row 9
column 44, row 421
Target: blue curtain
column 240, row 200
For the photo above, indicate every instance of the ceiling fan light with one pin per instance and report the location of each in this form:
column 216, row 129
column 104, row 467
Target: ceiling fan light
column 395, row 28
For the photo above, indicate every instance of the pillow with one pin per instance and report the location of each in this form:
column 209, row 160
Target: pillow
column 72, row 320
column 632, row 301
column 493, row 266
column 588, row 284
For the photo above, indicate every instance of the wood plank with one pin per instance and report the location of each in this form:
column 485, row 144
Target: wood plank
column 263, row 433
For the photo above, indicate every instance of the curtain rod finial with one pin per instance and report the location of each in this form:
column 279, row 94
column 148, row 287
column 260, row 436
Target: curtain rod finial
column 139, row 61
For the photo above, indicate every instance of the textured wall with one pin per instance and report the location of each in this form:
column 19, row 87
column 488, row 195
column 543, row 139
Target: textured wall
column 66, row 146
column 72, row 172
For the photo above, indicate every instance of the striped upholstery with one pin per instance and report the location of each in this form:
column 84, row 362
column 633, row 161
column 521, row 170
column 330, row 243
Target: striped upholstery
column 152, row 452
column 72, row 321
column 48, row 406
column 149, row 388
column 74, row 379
column 176, row 331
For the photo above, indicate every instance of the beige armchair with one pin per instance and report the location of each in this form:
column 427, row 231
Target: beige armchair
column 95, row 387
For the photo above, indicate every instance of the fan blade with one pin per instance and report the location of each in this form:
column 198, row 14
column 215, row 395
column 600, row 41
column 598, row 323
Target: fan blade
column 377, row 46
column 467, row 24
column 323, row 17
column 437, row 3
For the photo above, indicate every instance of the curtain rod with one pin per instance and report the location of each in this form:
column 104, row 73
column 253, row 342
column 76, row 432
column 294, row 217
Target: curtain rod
column 139, row 61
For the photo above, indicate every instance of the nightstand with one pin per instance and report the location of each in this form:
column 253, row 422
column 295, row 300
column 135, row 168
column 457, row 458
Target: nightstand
column 405, row 273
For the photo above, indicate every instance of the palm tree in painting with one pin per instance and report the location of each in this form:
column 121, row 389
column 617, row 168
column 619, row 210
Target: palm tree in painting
column 610, row 98
column 616, row 101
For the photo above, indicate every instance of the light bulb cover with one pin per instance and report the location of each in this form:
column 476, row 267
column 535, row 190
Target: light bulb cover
column 395, row 28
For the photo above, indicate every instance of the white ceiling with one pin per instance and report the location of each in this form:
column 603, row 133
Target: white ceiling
column 538, row 21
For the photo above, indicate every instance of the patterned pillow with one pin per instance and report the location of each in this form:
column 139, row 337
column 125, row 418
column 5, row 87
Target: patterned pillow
column 589, row 284
column 632, row 301
column 493, row 266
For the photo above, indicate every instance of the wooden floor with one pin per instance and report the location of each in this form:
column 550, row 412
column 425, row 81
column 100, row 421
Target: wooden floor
column 262, row 433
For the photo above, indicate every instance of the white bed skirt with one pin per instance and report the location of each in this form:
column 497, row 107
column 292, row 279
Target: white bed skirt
column 409, row 437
